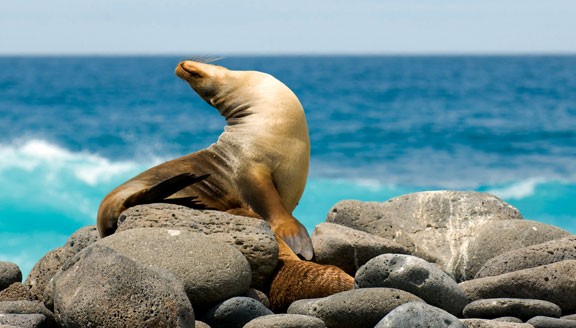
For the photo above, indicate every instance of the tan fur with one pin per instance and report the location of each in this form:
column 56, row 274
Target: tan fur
column 259, row 163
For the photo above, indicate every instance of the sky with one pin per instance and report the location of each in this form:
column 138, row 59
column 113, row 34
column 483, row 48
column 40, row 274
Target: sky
column 225, row 27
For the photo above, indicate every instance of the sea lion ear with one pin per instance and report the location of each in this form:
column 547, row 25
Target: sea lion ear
column 160, row 191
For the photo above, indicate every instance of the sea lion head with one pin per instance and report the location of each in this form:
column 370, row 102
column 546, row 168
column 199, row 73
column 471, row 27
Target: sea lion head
column 206, row 79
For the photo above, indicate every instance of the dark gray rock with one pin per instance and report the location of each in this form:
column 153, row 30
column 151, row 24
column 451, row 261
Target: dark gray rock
column 434, row 225
column 235, row 312
column 355, row 308
column 9, row 274
column 45, row 269
column 419, row 315
column 493, row 239
column 28, row 308
column 252, row 237
column 286, row 321
column 16, row 292
column 100, row 287
column 553, row 283
column 529, row 257
column 349, row 248
column 210, row 270
column 520, row 308
column 523, row 309
column 484, row 323
column 548, row 322
column 416, row 276
column 23, row 320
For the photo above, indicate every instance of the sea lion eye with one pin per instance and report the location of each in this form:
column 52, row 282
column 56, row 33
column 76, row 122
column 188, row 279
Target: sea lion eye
column 195, row 75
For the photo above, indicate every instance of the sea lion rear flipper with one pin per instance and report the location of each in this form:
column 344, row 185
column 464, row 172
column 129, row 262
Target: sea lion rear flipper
column 264, row 199
column 160, row 191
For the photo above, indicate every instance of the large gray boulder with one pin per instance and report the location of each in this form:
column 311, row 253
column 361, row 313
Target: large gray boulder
column 355, row 308
column 252, row 237
column 101, row 288
column 530, row 257
column 450, row 228
column 523, row 309
column 210, row 270
column 349, row 248
column 235, row 312
column 416, row 276
column 553, row 282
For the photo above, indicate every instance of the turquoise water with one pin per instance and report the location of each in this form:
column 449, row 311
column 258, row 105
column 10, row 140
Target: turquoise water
column 76, row 127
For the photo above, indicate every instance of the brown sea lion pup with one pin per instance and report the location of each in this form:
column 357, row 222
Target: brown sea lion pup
column 259, row 163
column 295, row 279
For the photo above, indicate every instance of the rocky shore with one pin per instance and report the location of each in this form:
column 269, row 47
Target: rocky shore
column 429, row 259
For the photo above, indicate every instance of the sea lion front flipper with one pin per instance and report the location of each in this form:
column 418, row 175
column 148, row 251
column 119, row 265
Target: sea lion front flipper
column 160, row 191
column 264, row 199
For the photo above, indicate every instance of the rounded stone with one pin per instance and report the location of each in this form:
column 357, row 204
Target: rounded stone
column 548, row 322
column 416, row 276
column 101, row 288
column 484, row 323
column 82, row 238
column 348, row 248
column 355, row 308
column 523, row 309
column 235, row 312
column 252, row 237
column 554, row 283
column 210, row 270
column 22, row 320
column 286, row 321
column 45, row 269
column 419, row 315
column 28, row 308
column 493, row 239
column 529, row 257
column 9, row 274
column 434, row 225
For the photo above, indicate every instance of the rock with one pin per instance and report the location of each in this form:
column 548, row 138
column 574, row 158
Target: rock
column 286, row 321
column 483, row 323
column 259, row 296
column 493, row 239
column 9, row 274
column 45, row 269
column 508, row 319
column 82, row 238
column 523, row 309
column 529, row 257
column 416, row 276
column 100, row 287
column 356, row 308
column 200, row 324
column 301, row 306
column 235, row 312
column 34, row 308
column 435, row 225
column 554, row 283
column 23, row 320
column 548, row 322
column 419, row 315
column 16, row 292
column 252, row 237
column 349, row 248
column 50, row 263
column 569, row 317
column 210, row 270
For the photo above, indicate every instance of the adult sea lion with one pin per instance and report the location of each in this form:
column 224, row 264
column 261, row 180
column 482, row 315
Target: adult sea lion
column 258, row 167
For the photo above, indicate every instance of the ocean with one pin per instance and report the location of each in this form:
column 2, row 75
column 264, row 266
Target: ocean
column 73, row 128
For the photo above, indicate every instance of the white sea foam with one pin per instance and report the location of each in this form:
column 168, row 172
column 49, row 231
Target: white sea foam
column 518, row 190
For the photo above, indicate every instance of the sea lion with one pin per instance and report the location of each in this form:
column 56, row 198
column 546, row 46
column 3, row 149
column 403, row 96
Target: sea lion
column 258, row 167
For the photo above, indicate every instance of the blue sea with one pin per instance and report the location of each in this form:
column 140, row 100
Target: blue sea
column 73, row 128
